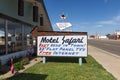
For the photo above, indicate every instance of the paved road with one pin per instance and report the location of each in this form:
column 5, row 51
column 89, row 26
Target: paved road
column 112, row 46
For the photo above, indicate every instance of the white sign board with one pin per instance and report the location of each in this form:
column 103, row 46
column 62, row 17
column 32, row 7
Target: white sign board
column 69, row 46
column 63, row 25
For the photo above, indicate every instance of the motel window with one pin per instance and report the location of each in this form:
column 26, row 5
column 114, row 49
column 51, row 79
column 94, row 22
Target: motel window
column 18, row 37
column 14, row 37
column 2, row 36
column 28, row 39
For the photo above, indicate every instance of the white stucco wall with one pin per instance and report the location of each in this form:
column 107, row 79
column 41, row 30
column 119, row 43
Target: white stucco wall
column 5, row 58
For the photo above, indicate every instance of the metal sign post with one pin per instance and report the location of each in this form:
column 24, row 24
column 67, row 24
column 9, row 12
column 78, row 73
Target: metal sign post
column 44, row 60
column 80, row 61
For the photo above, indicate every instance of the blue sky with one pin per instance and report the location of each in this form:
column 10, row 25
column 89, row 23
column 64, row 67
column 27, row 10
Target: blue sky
column 92, row 16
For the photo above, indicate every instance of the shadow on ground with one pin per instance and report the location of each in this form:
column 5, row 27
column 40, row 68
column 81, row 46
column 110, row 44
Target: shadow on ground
column 28, row 76
column 65, row 59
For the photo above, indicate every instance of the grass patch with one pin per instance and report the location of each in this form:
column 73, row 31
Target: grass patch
column 65, row 69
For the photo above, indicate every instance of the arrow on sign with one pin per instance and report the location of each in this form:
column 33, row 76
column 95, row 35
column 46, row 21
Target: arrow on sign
column 34, row 32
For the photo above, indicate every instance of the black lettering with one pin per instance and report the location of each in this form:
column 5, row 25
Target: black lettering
column 50, row 40
column 72, row 40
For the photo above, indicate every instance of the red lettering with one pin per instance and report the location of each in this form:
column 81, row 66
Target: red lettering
column 45, row 53
column 43, row 45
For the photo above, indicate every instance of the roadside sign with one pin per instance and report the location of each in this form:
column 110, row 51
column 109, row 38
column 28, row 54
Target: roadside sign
column 34, row 32
column 62, row 44
column 63, row 25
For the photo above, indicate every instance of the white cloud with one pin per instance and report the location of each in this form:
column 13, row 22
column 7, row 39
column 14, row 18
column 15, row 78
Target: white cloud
column 99, row 26
column 114, row 21
column 82, row 26
column 117, row 18
column 85, row 23
column 109, row 22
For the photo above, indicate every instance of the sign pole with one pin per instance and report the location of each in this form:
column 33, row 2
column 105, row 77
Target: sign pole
column 44, row 60
column 80, row 61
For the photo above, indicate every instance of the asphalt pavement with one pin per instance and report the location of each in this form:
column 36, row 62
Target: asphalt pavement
column 112, row 46
column 109, row 61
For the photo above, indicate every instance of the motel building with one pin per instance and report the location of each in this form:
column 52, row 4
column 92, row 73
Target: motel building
column 115, row 36
column 17, row 19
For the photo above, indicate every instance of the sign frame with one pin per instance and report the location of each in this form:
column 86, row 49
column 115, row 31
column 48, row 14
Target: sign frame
column 58, row 35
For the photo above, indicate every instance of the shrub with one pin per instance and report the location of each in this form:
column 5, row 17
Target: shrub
column 19, row 65
column 14, row 60
column 25, row 61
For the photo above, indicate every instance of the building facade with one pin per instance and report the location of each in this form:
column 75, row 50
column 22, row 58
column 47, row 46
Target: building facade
column 114, row 36
column 17, row 19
